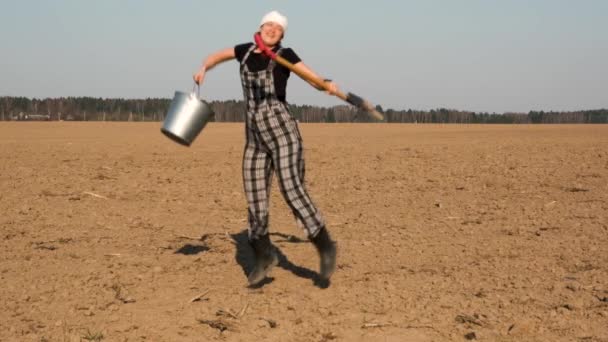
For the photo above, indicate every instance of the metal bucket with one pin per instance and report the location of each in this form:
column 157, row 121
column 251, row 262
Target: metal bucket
column 186, row 117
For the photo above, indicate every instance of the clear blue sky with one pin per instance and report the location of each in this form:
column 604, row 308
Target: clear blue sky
column 480, row 55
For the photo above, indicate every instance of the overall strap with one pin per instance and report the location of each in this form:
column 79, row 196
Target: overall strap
column 272, row 62
column 247, row 54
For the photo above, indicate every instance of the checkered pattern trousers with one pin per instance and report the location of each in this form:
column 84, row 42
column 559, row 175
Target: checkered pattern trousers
column 273, row 144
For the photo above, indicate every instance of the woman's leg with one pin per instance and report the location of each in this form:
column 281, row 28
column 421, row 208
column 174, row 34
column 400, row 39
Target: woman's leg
column 290, row 167
column 289, row 164
column 257, row 179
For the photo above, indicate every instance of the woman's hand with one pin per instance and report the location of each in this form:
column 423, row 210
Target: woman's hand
column 331, row 87
column 199, row 76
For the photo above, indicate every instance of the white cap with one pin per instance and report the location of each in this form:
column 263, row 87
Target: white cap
column 276, row 17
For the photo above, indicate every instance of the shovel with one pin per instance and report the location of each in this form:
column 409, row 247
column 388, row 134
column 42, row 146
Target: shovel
column 351, row 98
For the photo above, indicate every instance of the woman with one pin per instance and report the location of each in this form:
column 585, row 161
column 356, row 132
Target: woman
column 273, row 143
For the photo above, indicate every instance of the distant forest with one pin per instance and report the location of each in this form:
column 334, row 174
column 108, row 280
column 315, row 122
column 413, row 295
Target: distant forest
column 154, row 109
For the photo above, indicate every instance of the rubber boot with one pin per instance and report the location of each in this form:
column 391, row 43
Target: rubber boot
column 265, row 258
column 327, row 253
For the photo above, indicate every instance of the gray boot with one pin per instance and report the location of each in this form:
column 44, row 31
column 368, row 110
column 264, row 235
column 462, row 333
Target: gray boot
column 265, row 258
column 327, row 253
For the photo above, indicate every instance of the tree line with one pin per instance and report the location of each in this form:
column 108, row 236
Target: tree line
column 155, row 109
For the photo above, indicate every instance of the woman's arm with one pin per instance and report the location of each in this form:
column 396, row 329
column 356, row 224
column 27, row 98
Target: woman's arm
column 211, row 61
column 331, row 87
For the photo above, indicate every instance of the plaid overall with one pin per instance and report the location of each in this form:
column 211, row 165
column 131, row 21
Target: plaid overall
column 273, row 142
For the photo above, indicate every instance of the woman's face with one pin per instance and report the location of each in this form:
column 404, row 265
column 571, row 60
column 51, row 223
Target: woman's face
column 271, row 33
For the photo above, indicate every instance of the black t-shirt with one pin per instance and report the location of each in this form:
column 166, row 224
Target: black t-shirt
column 259, row 61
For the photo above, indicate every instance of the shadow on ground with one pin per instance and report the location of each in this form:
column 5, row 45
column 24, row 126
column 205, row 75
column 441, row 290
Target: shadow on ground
column 189, row 249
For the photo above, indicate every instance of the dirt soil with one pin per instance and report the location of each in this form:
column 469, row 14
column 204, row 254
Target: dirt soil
column 112, row 232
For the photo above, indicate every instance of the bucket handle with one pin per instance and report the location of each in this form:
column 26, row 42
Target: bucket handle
column 198, row 90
